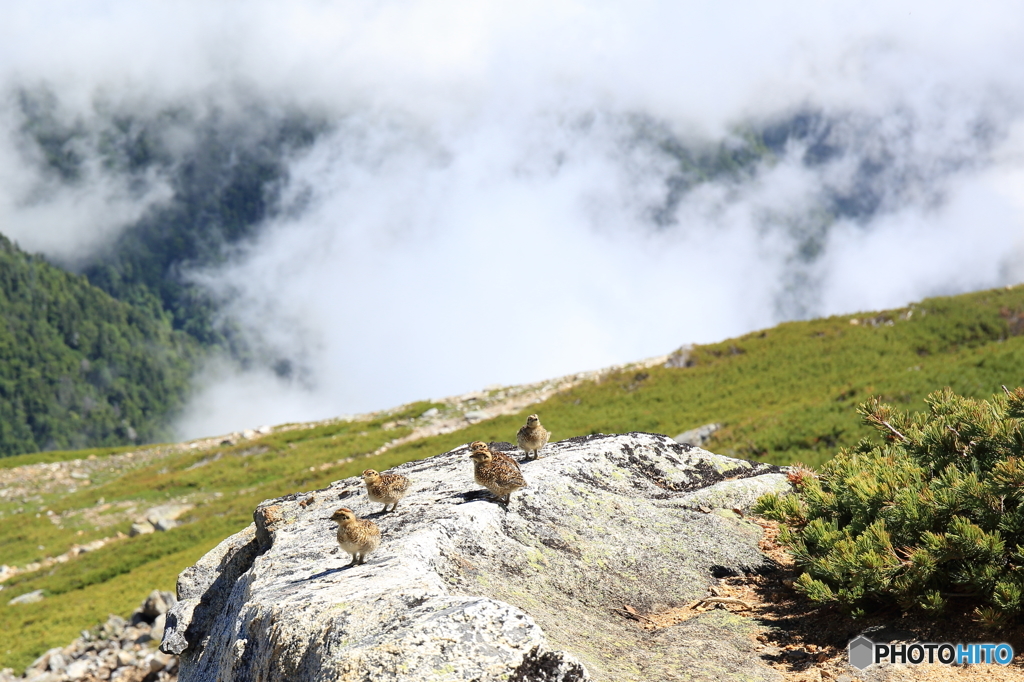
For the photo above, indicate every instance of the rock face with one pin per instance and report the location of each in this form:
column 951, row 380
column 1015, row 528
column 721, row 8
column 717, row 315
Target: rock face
column 465, row 589
column 27, row 598
column 698, row 436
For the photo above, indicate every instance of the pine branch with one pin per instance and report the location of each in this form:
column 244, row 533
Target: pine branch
column 889, row 426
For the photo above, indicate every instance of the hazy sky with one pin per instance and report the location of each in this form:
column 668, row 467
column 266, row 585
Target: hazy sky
column 482, row 208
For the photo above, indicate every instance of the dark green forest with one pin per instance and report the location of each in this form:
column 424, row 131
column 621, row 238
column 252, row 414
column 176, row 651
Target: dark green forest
column 79, row 368
column 104, row 357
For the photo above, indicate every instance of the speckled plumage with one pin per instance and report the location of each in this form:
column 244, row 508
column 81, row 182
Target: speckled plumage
column 480, row 446
column 358, row 537
column 387, row 489
column 532, row 437
column 496, row 471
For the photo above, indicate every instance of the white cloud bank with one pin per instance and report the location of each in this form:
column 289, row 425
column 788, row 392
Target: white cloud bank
column 481, row 210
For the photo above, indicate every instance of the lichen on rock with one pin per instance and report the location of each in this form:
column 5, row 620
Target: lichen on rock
column 463, row 588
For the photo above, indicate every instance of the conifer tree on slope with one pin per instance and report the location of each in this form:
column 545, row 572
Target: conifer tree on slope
column 933, row 514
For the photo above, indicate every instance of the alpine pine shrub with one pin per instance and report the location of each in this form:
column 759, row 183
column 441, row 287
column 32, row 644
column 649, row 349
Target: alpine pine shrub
column 932, row 514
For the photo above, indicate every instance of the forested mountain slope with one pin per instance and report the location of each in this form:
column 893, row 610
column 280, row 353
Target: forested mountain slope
column 79, row 368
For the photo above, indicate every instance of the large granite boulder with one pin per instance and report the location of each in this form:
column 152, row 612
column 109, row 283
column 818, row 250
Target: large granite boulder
column 464, row 589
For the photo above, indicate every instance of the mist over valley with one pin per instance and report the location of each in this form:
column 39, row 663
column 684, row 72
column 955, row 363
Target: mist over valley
column 356, row 206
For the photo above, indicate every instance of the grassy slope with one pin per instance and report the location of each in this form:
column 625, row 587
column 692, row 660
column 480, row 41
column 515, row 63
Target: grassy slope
column 785, row 394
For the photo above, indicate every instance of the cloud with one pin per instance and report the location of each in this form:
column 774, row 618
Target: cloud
column 506, row 192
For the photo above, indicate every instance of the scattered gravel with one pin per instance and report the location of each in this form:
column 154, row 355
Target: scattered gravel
column 118, row 651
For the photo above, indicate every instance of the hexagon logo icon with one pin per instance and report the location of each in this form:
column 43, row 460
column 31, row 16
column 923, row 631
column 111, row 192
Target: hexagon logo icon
column 862, row 652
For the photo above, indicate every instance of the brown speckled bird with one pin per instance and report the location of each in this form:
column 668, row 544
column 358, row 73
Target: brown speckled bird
column 387, row 489
column 496, row 471
column 532, row 437
column 358, row 537
column 480, row 446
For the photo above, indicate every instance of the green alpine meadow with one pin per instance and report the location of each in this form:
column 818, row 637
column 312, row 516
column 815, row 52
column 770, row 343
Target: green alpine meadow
column 876, row 406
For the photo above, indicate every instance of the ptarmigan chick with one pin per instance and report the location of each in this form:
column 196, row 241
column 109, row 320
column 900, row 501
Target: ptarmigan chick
column 532, row 437
column 358, row 537
column 496, row 471
column 387, row 489
column 480, row 446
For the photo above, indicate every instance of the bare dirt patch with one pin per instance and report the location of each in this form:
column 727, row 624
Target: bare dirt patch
column 806, row 642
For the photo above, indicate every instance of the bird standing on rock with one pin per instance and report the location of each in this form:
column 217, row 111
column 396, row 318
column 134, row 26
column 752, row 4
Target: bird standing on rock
column 387, row 489
column 532, row 437
column 496, row 471
column 358, row 537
